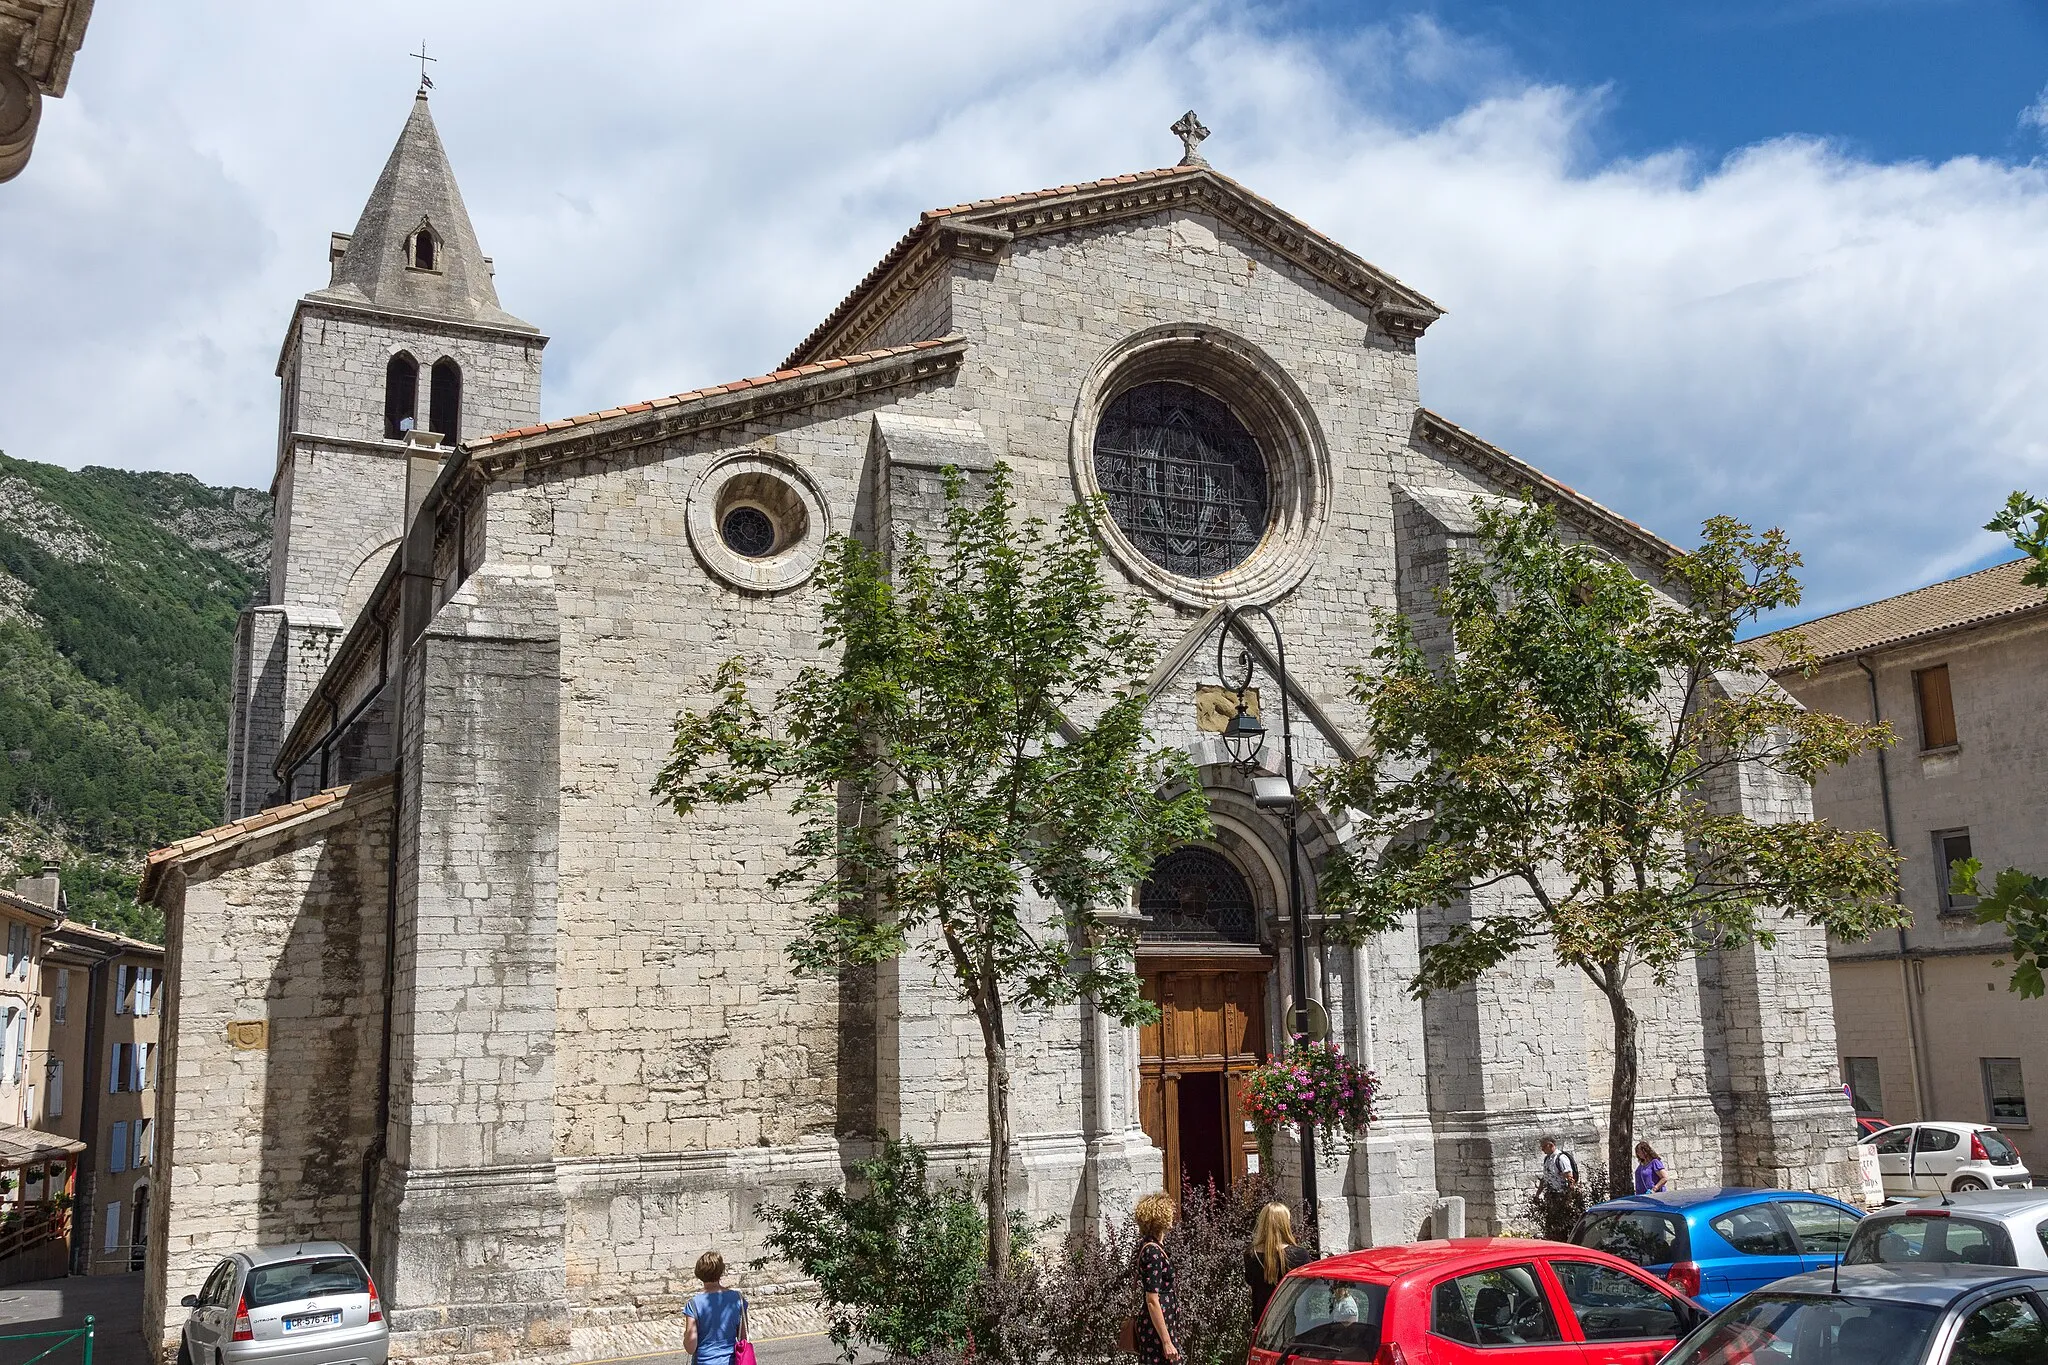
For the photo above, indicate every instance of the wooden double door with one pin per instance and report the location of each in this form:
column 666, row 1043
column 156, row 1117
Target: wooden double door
column 1211, row 1030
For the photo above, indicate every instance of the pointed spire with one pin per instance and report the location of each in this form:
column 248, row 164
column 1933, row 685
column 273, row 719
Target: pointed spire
column 413, row 250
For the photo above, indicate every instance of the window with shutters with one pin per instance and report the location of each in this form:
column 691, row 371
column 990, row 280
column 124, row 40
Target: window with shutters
column 124, row 989
column 121, row 1069
column 142, row 1136
column 1951, row 846
column 1937, row 708
column 113, row 1242
column 60, row 1007
column 56, row 1087
column 145, row 1066
column 117, row 1148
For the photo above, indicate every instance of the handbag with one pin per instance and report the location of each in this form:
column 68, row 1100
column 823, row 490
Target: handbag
column 743, row 1349
column 1126, row 1335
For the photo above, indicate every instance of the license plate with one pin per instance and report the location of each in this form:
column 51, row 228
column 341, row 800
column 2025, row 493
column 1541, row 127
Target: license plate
column 305, row 1320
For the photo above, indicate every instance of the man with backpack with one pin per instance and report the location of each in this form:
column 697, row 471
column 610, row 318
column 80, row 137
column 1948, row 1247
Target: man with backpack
column 1560, row 1168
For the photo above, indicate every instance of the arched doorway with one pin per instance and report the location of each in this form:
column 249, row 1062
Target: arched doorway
column 1203, row 964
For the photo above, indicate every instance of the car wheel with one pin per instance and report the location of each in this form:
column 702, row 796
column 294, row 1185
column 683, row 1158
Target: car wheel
column 1967, row 1182
column 184, row 1350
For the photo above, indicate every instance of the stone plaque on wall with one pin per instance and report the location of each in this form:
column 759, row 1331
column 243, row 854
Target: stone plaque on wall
column 248, row 1035
column 1214, row 706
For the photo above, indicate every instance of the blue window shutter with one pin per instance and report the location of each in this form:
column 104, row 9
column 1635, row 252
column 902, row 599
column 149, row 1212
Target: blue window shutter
column 117, row 1155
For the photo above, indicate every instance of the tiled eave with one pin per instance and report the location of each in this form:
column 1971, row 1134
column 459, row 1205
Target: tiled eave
column 1573, row 507
column 984, row 228
column 222, row 838
column 791, row 389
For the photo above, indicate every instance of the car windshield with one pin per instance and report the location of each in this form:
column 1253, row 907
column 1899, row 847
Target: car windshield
column 1314, row 1316
column 1790, row 1329
column 1928, row 1239
column 288, row 1281
column 2003, row 1153
column 1635, row 1235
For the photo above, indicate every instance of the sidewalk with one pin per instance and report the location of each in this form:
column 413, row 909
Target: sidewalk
column 812, row 1348
column 115, row 1302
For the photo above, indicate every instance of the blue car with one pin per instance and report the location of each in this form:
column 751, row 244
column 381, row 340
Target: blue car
column 1717, row 1245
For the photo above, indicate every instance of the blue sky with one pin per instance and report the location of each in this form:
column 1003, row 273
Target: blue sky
column 1787, row 261
column 1891, row 79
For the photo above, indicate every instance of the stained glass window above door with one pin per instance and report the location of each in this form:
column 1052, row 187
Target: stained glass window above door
column 1185, row 481
column 1197, row 895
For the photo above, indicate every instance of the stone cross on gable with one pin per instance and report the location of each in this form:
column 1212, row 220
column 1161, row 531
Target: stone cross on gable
column 1190, row 132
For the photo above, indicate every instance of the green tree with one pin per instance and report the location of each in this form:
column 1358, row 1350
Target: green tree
column 948, row 801
column 2016, row 899
column 1570, row 745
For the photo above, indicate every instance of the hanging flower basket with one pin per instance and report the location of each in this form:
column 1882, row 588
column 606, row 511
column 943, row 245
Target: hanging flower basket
column 1310, row 1085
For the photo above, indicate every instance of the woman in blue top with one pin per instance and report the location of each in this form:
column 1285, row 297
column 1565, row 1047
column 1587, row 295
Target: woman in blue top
column 1651, row 1177
column 717, row 1318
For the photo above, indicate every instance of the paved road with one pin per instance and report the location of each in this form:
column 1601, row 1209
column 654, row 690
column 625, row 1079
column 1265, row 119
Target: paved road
column 813, row 1348
column 115, row 1302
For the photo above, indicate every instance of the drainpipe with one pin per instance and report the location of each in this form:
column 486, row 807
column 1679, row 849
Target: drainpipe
column 1906, row 996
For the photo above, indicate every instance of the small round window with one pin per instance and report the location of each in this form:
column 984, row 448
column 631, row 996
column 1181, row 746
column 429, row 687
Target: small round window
column 1185, row 480
column 747, row 530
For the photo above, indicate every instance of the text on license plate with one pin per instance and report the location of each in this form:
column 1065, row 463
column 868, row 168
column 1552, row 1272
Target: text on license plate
column 305, row 1320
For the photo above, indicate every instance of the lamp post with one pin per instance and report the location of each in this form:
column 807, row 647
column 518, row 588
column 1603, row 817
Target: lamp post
column 1244, row 738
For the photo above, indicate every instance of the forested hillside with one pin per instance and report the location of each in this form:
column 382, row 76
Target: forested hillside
column 118, row 597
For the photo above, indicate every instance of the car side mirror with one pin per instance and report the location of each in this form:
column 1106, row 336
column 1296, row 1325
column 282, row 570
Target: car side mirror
column 189, row 1301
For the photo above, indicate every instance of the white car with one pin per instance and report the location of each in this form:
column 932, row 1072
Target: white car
column 1928, row 1158
column 1976, row 1227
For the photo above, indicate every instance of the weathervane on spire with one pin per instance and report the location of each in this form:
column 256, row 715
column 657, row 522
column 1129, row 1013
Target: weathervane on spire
column 426, row 81
column 1190, row 132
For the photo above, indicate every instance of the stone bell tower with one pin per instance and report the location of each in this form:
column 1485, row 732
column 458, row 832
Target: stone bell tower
column 403, row 355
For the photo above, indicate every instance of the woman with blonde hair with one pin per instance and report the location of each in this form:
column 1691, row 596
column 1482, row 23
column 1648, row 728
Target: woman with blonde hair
column 1159, row 1311
column 1271, row 1255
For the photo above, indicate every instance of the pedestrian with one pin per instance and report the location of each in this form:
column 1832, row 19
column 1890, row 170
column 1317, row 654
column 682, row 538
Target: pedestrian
column 715, row 1321
column 1271, row 1255
column 1560, row 1168
column 1651, row 1176
column 1159, row 1311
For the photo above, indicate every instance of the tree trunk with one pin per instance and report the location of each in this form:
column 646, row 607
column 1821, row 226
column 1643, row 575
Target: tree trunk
column 1621, row 1100
column 996, row 1049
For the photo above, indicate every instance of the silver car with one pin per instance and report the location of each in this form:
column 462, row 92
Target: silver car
column 1974, row 1227
column 311, row 1303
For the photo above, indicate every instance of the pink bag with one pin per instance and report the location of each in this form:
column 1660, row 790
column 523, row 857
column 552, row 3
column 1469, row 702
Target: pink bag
column 743, row 1353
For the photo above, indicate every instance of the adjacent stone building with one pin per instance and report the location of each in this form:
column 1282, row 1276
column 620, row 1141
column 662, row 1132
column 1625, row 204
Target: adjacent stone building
column 453, row 987
column 1927, row 1028
column 39, row 39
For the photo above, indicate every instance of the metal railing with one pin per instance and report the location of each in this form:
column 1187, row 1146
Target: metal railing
column 58, row 1340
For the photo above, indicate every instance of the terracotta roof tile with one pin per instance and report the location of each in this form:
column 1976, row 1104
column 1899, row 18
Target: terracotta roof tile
column 732, row 386
column 222, row 835
column 1974, row 599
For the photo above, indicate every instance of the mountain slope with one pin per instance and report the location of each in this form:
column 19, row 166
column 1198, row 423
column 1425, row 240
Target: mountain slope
column 118, row 597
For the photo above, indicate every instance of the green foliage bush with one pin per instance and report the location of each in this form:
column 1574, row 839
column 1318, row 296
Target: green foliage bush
column 896, row 1259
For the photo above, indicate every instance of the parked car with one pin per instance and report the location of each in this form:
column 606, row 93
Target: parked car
column 1926, row 1158
column 1865, row 1125
column 1880, row 1315
column 1976, row 1227
column 311, row 1303
column 1717, row 1245
column 1502, row 1300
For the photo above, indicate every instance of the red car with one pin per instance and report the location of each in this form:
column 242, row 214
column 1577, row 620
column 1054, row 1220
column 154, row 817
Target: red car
column 1499, row 1300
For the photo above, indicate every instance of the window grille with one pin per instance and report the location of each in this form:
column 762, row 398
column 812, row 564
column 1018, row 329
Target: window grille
column 1184, row 479
column 1197, row 895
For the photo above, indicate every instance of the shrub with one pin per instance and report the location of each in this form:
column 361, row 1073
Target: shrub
column 1063, row 1306
column 897, row 1263
column 1554, row 1212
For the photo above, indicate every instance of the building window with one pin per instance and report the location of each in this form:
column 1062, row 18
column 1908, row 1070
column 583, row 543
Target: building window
column 1951, row 846
column 401, row 396
column 2005, row 1092
column 1937, row 707
column 60, row 1007
column 117, row 1148
column 1185, row 480
column 1866, row 1087
column 17, row 948
column 125, row 1068
column 444, row 400
column 423, row 247
column 113, row 1242
column 1197, row 894
column 142, row 1132
column 56, row 1087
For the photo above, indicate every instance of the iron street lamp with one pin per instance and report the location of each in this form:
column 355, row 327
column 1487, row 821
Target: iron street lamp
column 1244, row 739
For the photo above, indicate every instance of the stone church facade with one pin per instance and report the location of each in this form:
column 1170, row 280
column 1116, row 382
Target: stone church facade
column 451, row 986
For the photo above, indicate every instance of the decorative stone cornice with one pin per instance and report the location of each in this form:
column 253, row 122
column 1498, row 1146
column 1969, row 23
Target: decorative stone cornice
column 943, row 234
column 1575, row 508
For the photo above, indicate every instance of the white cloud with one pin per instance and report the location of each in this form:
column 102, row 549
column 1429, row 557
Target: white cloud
column 677, row 194
column 2035, row 115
